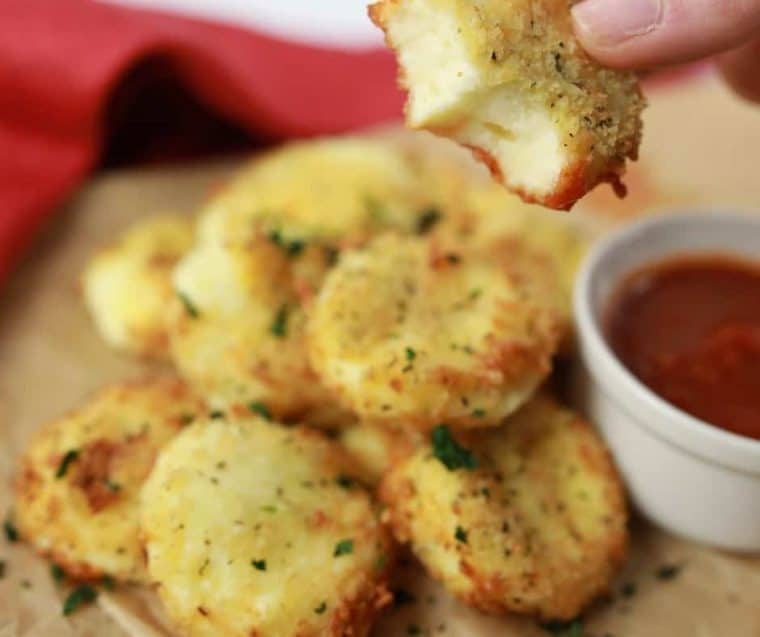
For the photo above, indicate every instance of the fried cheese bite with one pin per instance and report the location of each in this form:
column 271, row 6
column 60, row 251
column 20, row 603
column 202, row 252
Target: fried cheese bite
column 127, row 287
column 237, row 330
column 508, row 79
column 527, row 518
column 78, row 482
column 409, row 331
column 266, row 243
column 251, row 528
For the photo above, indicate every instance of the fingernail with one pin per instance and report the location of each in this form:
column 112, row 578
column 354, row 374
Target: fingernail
column 610, row 22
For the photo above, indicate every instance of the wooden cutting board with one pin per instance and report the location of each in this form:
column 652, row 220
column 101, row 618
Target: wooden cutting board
column 701, row 147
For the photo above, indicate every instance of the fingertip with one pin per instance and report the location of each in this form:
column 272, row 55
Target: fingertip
column 739, row 69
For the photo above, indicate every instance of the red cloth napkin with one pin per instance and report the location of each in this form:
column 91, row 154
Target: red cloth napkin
column 60, row 60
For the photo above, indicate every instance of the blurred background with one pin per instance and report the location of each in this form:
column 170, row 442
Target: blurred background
column 89, row 85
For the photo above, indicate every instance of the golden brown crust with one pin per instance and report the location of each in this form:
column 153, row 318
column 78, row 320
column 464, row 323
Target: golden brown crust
column 510, row 76
column 538, row 527
column 77, row 484
column 260, row 527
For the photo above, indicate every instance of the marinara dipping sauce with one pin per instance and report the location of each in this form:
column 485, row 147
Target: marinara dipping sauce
column 689, row 328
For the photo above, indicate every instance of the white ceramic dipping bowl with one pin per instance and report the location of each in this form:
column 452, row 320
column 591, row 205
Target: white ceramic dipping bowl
column 689, row 477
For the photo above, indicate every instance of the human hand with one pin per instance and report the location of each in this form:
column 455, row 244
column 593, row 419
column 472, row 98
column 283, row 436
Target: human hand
column 642, row 34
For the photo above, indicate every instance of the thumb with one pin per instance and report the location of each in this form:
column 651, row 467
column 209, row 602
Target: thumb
column 646, row 33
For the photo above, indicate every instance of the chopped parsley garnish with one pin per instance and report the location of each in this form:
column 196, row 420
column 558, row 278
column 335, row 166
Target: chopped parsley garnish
column 57, row 573
column 572, row 628
column 668, row 571
column 190, row 307
column 344, row 547
column 11, row 533
column 186, row 419
column 410, row 354
column 321, row 608
column 347, row 482
column 113, row 487
column 381, row 562
column 479, row 413
column 427, row 220
column 69, row 457
column 269, row 508
column 402, row 597
column 259, row 565
column 2, row 569
column 453, row 455
column 261, row 409
column 279, row 325
column 292, row 247
column 376, row 210
column 461, row 535
column 216, row 414
column 108, row 582
column 81, row 595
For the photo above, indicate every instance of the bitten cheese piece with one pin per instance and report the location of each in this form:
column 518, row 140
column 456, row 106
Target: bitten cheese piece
column 508, row 79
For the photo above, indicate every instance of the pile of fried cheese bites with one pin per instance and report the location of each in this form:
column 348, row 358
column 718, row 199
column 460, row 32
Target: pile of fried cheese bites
column 362, row 330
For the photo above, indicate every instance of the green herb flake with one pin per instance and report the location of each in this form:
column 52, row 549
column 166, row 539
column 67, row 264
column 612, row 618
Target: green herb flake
column 70, row 456
column 259, row 565
column 402, row 597
column 668, row 571
column 260, row 409
column 216, row 414
column 572, row 628
column 453, row 455
column 81, row 595
column 321, row 608
column 113, row 487
column 57, row 573
column 410, row 354
column 479, row 413
column 279, row 327
column 292, row 247
column 269, row 508
column 344, row 547
column 11, row 532
column 344, row 481
column 186, row 419
column 461, row 535
column 108, row 583
column 628, row 590
column 190, row 307
column 381, row 562
column 427, row 220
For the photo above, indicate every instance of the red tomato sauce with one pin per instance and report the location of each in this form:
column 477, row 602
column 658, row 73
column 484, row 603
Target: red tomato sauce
column 689, row 329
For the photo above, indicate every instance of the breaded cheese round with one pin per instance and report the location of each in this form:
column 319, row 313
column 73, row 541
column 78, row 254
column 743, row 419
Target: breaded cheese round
column 237, row 330
column 251, row 528
column 127, row 286
column 508, row 79
column 78, row 481
column 409, row 331
column 266, row 243
column 329, row 190
column 530, row 517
